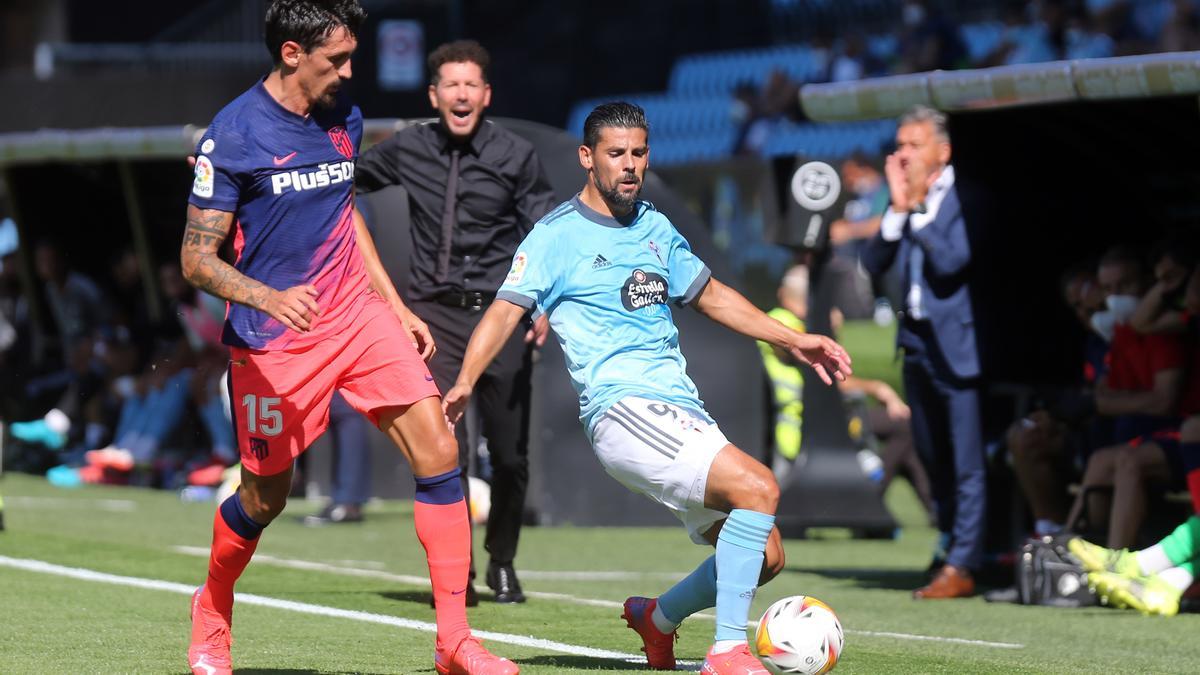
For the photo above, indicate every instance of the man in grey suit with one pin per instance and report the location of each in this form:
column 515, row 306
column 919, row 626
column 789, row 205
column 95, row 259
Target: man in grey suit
column 923, row 232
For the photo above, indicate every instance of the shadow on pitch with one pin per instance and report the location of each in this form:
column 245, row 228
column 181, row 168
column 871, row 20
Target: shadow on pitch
column 580, row 662
column 419, row 597
column 890, row 580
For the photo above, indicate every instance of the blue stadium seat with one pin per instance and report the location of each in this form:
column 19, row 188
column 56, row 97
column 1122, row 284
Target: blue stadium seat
column 982, row 38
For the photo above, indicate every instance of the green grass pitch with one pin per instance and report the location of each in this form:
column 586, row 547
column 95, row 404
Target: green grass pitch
column 577, row 576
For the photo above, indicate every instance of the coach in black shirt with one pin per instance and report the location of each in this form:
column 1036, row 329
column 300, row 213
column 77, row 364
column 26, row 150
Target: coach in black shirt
column 475, row 190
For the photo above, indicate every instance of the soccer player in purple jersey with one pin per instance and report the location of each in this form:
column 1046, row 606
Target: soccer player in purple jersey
column 313, row 311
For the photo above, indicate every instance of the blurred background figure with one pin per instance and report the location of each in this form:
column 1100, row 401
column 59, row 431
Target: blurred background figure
column 1050, row 445
column 351, row 484
column 878, row 417
column 784, row 377
column 856, row 293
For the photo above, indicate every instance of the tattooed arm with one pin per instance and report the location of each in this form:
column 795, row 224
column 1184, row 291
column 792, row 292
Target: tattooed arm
column 295, row 307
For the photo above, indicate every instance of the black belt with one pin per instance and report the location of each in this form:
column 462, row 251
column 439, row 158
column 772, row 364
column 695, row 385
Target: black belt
column 472, row 300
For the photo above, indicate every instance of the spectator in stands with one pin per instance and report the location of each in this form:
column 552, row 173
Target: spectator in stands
column 131, row 312
column 1141, row 390
column 864, row 211
column 852, row 60
column 1049, row 446
column 183, row 371
column 929, row 40
column 81, row 315
column 77, row 306
column 747, row 114
column 923, row 233
column 854, row 290
column 759, row 111
column 1182, row 31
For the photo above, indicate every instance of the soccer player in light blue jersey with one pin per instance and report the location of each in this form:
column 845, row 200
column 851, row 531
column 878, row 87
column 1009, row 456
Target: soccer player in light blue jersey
column 605, row 268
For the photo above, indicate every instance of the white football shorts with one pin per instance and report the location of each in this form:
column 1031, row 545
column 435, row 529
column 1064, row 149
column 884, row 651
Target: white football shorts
column 664, row 452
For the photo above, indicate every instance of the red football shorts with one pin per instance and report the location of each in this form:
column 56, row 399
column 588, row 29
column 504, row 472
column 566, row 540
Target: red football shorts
column 280, row 399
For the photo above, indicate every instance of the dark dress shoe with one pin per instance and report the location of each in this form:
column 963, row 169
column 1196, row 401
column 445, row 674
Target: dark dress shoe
column 472, row 597
column 503, row 580
column 335, row 514
column 949, row 582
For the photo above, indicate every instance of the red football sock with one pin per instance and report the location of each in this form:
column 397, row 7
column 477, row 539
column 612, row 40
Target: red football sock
column 445, row 532
column 231, row 552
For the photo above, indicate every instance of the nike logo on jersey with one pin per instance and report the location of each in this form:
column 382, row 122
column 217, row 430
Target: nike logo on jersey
column 280, row 161
column 323, row 176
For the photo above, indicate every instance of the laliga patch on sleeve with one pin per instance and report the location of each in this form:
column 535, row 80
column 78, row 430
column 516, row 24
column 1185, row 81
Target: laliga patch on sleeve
column 518, row 268
column 202, row 186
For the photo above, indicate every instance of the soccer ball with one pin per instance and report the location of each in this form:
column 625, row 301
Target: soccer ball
column 799, row 634
column 481, row 500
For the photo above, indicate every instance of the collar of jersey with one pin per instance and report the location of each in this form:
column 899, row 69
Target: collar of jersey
column 275, row 107
column 601, row 219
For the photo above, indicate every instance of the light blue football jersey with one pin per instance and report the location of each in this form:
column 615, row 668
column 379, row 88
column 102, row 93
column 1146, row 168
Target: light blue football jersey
column 607, row 287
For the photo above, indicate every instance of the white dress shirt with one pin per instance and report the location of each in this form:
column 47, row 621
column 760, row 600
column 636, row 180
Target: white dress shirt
column 891, row 228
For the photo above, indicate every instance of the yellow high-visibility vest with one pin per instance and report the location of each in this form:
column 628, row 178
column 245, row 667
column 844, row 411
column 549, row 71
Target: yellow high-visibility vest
column 787, row 390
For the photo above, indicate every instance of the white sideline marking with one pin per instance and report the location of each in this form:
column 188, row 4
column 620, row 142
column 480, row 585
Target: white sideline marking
column 398, row 578
column 115, row 505
column 318, row 610
column 379, row 573
column 562, row 597
column 957, row 641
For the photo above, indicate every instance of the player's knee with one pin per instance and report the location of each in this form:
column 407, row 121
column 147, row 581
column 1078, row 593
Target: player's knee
column 758, row 492
column 444, row 451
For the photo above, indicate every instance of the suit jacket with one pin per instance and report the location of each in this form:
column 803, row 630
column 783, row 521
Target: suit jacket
column 945, row 294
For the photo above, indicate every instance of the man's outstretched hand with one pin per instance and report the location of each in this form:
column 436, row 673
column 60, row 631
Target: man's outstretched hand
column 823, row 355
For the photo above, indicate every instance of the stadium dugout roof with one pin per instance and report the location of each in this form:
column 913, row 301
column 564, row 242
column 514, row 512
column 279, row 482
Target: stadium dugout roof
column 1128, row 77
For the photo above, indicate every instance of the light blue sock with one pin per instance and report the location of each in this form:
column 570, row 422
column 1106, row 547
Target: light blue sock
column 693, row 593
column 740, row 548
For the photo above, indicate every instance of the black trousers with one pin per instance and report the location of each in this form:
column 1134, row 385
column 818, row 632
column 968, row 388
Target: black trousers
column 502, row 398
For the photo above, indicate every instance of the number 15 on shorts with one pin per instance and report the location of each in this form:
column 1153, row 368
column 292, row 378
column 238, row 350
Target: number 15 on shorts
column 261, row 415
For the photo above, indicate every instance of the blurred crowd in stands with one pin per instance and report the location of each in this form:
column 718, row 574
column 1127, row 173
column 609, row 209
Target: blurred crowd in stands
column 102, row 386
column 928, row 38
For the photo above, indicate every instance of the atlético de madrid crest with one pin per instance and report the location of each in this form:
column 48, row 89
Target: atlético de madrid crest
column 341, row 141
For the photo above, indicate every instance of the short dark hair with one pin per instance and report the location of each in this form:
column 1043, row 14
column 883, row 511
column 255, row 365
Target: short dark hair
column 459, row 51
column 618, row 114
column 309, row 22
